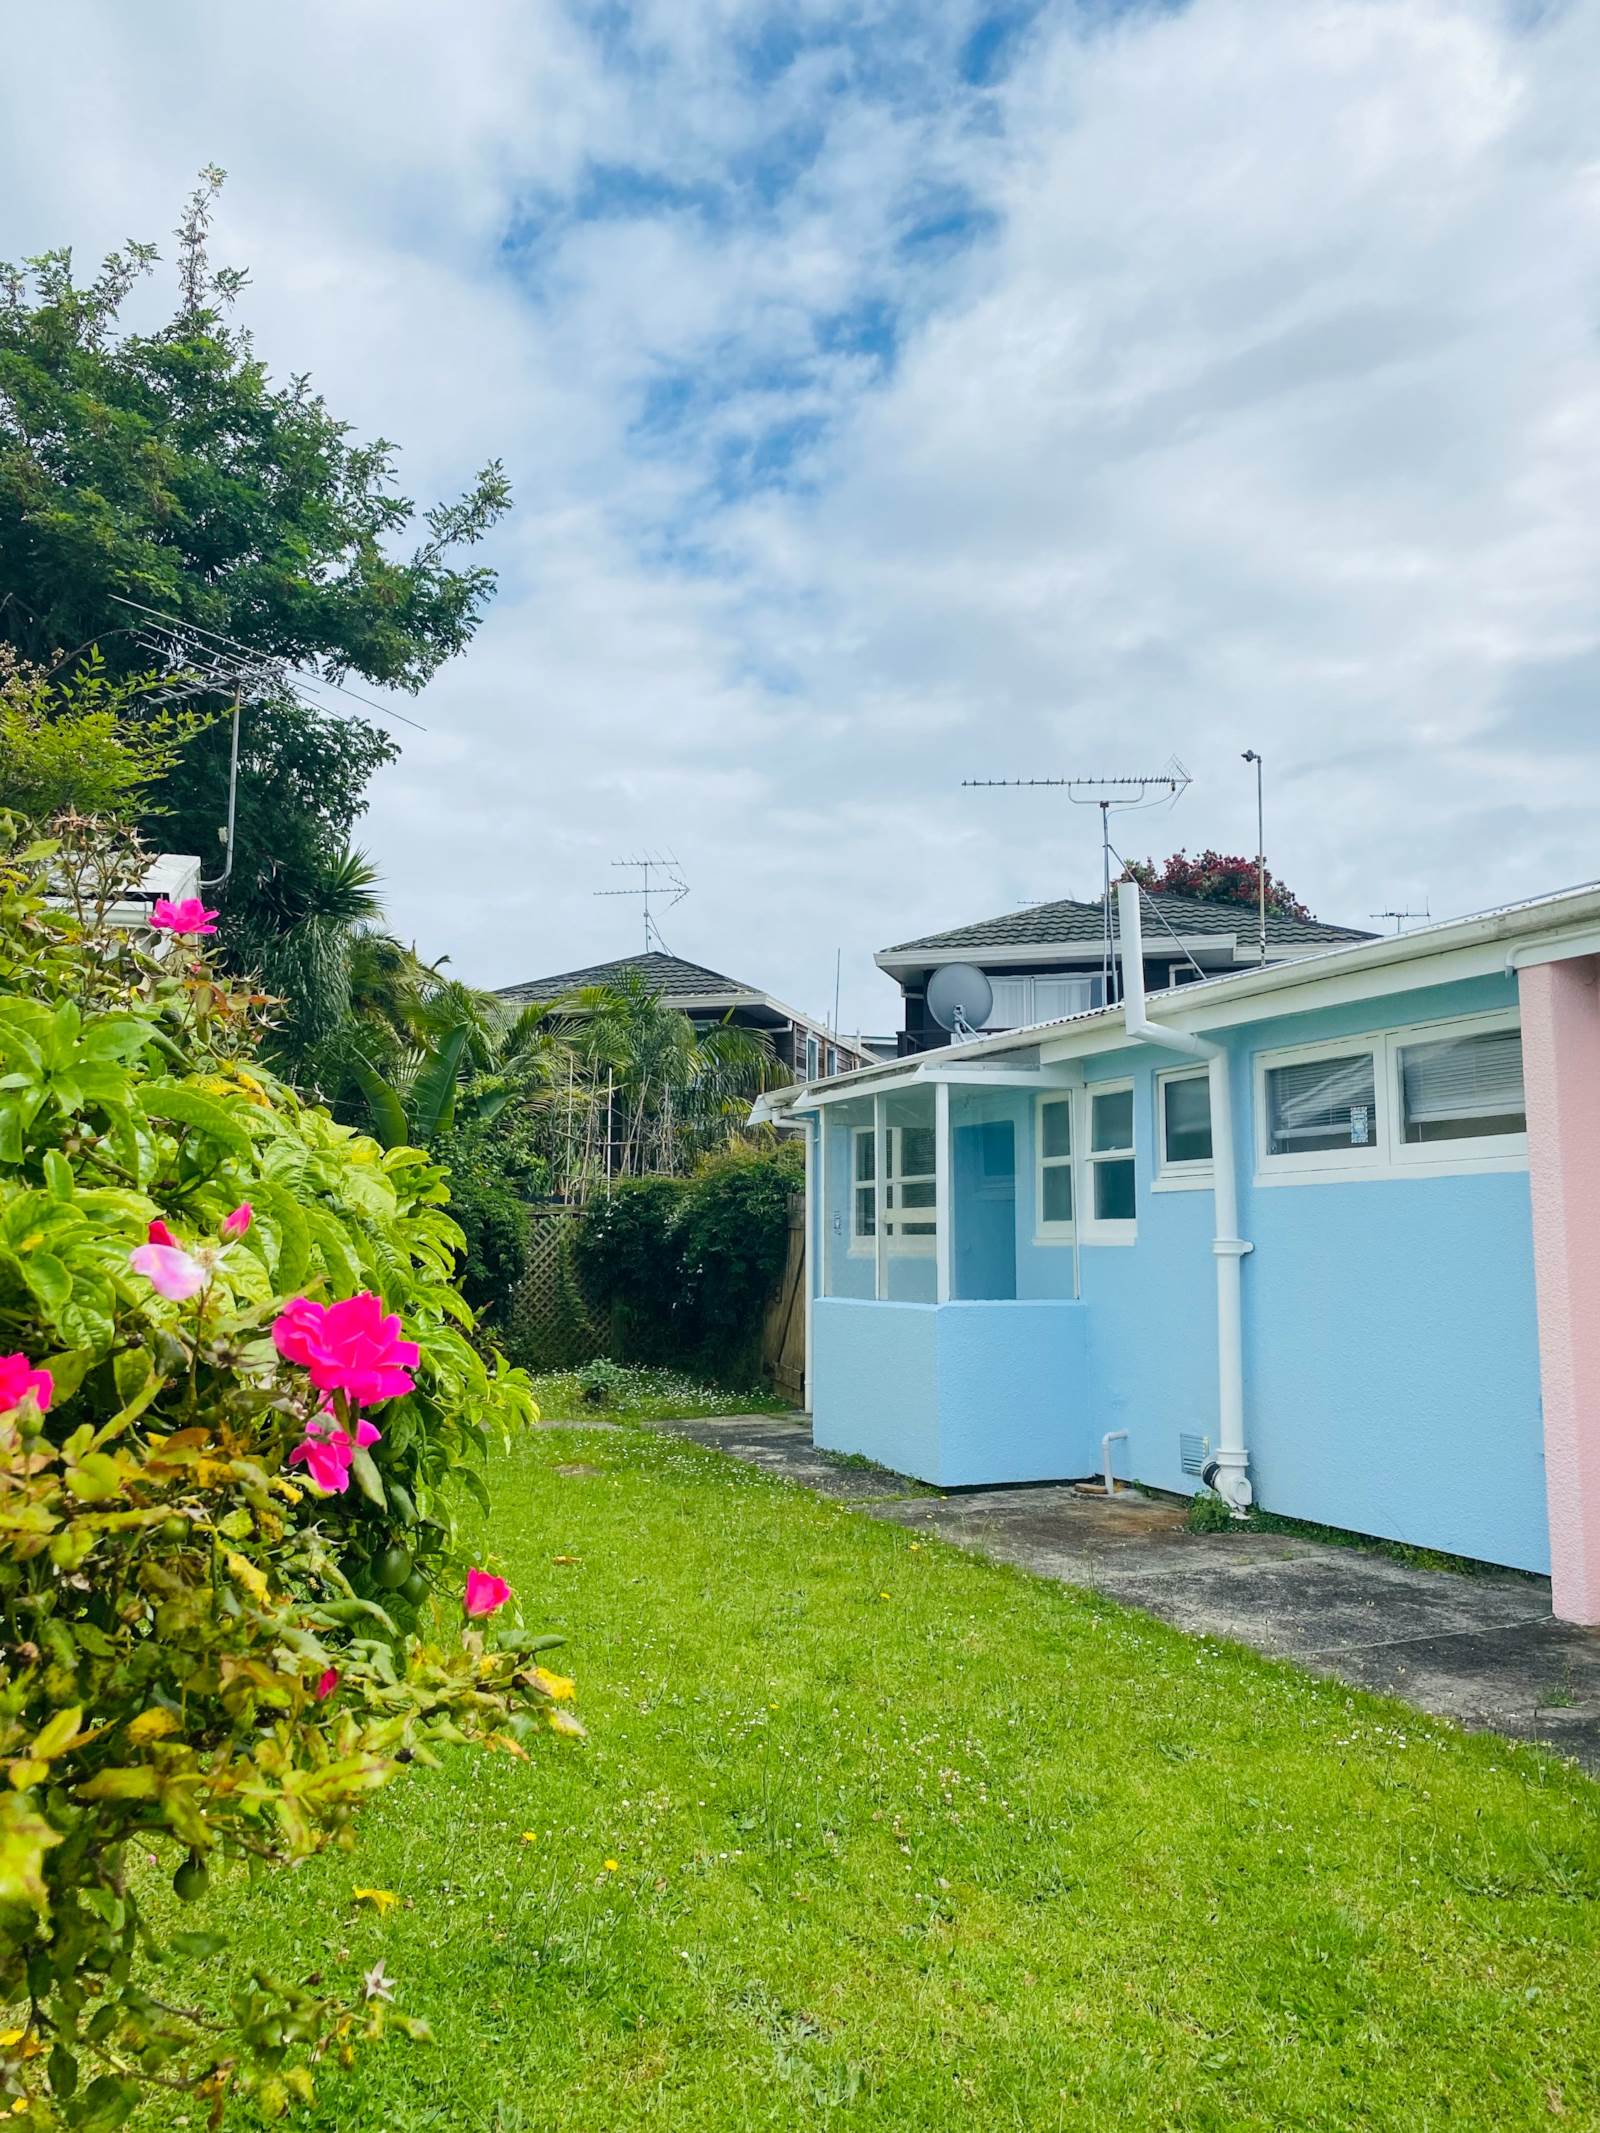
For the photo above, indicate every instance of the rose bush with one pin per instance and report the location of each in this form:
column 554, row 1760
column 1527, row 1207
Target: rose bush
column 236, row 1391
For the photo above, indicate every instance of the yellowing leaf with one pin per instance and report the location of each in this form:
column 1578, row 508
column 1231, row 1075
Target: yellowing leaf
column 58, row 1732
column 152, row 1724
column 558, row 1687
column 25, row 1837
column 564, row 1722
column 244, row 1572
column 381, row 1900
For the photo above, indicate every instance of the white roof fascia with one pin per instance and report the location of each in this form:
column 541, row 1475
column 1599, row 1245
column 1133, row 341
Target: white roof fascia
column 1565, row 923
column 1088, row 953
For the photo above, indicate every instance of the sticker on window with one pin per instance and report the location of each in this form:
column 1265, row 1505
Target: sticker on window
column 1359, row 1129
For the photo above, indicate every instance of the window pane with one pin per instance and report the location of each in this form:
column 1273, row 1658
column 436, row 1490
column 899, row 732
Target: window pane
column 865, row 1155
column 1111, row 1123
column 1113, row 1192
column 1462, row 1088
column 916, row 1151
column 1013, row 1003
column 1058, row 1193
column 1058, row 1128
column 1053, row 997
column 1186, row 1107
column 919, row 1194
column 1322, row 1103
column 866, row 1213
column 917, row 1229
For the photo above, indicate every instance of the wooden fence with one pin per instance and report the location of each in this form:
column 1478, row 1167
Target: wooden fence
column 783, row 1335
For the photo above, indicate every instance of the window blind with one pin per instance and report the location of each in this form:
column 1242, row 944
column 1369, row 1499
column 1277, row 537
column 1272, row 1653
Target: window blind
column 1478, row 1076
column 1323, row 1103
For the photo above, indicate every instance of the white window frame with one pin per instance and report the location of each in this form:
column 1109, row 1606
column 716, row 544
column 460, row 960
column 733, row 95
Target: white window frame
column 1391, row 1156
column 921, row 1244
column 1093, row 1230
column 1196, row 1176
column 1054, row 1232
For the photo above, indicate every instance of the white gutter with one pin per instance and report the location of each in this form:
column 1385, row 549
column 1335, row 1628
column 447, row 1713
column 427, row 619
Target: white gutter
column 1229, row 1470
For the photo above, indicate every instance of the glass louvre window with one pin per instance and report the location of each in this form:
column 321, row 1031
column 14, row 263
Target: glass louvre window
column 1055, row 1160
column 1020, row 1002
column 1186, row 1119
column 1462, row 1088
column 1111, row 1154
column 1321, row 1104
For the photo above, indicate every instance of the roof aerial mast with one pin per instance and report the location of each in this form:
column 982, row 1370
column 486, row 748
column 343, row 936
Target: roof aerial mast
column 675, row 890
column 1120, row 795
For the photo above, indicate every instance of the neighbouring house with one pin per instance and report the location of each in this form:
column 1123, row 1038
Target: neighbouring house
column 1052, row 959
column 806, row 1047
column 1324, row 1234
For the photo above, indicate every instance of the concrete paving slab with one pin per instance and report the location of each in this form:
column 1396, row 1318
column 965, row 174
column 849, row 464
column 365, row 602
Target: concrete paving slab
column 1484, row 1651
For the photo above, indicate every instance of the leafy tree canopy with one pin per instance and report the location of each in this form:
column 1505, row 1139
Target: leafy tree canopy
column 1215, row 878
column 86, row 744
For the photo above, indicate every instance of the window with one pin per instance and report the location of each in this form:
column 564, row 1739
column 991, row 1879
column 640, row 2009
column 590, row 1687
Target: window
column 1055, row 1165
column 1110, row 1181
column 1462, row 1088
column 911, row 1215
column 1020, row 1002
column 811, row 1057
column 1318, row 1105
column 833, row 1061
column 1443, row 1097
column 1183, row 1127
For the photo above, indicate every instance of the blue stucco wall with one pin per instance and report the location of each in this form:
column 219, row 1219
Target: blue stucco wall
column 1391, row 1361
column 957, row 1394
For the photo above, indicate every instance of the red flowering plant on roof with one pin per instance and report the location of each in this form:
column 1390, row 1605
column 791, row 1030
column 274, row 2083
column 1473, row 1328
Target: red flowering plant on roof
column 237, row 1397
column 1215, row 878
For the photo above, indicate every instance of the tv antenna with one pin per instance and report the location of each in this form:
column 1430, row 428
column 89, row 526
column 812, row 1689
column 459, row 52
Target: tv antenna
column 670, row 884
column 1400, row 917
column 1119, row 795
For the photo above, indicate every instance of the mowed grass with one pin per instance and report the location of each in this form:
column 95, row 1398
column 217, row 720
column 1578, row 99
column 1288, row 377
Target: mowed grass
column 903, row 1839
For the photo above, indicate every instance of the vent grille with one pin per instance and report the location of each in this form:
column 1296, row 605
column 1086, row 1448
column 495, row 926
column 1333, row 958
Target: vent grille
column 1192, row 1451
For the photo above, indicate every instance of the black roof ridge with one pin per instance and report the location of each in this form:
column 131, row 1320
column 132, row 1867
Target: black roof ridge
column 1042, row 923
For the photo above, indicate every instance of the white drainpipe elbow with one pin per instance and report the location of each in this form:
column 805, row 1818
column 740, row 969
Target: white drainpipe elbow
column 1228, row 1469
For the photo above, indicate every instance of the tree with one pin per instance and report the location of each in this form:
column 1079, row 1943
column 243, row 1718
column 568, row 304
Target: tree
column 80, row 745
column 1214, row 878
column 167, row 467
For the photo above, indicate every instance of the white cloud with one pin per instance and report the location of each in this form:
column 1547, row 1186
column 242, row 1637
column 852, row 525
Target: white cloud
column 1263, row 409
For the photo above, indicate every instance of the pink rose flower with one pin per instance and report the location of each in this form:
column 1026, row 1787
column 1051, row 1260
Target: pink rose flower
column 18, row 1378
column 326, row 1450
column 170, row 1271
column 159, row 1233
column 238, row 1222
column 349, row 1347
column 484, row 1593
column 326, row 1684
column 189, row 916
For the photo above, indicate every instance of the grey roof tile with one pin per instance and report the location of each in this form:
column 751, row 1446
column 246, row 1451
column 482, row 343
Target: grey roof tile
column 1068, row 920
column 669, row 975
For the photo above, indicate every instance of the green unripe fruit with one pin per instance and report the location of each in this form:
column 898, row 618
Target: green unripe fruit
column 392, row 1568
column 191, row 1880
column 415, row 1588
column 174, row 1529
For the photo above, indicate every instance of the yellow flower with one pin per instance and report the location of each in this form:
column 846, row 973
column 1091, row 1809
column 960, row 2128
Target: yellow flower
column 883, row 1596
column 530, row 1836
column 558, row 1687
column 611, row 1866
column 381, row 1900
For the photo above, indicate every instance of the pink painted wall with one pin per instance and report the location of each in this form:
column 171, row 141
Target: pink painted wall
column 1561, row 1067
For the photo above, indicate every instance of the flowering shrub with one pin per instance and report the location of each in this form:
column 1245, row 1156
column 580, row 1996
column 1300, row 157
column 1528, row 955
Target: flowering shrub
column 235, row 1387
column 1215, row 878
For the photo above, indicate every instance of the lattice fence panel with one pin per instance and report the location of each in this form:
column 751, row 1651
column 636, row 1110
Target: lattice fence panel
column 550, row 1324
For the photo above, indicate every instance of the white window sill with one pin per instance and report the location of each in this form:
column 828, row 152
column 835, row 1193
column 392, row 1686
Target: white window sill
column 1118, row 1233
column 1201, row 1179
column 1061, row 1234
column 1454, row 1166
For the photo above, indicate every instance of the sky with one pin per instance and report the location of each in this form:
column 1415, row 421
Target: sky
column 895, row 394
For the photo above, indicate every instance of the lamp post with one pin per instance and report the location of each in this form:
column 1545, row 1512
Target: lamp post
column 1250, row 756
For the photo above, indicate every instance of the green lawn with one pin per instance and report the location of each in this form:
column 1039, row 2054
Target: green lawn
column 905, row 1840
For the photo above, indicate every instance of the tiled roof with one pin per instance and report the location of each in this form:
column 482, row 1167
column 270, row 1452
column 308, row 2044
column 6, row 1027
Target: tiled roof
column 1071, row 921
column 668, row 975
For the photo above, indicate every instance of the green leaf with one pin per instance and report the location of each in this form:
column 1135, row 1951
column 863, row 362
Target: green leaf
column 179, row 1105
column 383, row 1103
column 138, row 1782
column 367, row 1478
column 48, row 1281
column 197, row 1946
column 132, row 1371
column 25, row 1837
column 115, row 1037
column 433, row 1098
column 58, row 1174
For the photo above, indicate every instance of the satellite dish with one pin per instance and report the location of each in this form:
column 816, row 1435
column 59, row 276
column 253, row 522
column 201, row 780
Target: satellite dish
column 959, row 999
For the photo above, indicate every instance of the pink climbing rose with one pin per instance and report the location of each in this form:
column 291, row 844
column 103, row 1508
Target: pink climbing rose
column 189, row 916
column 160, row 1234
column 326, row 1450
column 484, row 1593
column 170, row 1271
column 18, row 1378
column 349, row 1347
column 238, row 1222
column 326, row 1684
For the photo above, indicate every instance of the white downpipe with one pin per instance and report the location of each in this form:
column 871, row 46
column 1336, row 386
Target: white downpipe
column 816, row 1242
column 1232, row 1461
column 1112, row 1436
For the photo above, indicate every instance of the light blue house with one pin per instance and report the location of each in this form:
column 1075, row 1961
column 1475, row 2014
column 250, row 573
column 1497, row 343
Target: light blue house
column 1272, row 1229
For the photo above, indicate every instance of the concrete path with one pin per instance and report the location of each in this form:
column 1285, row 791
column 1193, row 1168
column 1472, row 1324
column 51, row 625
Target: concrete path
column 1484, row 1651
